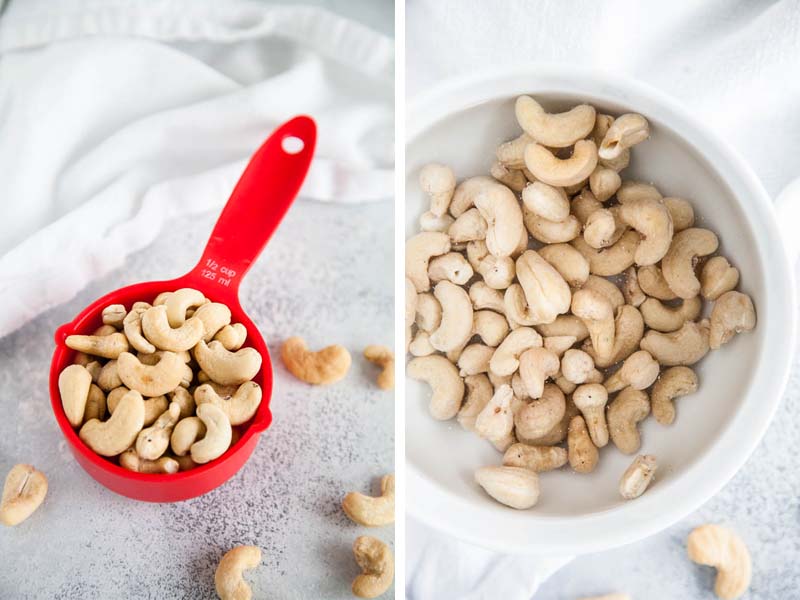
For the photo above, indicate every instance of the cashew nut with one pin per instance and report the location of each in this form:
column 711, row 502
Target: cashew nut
column 108, row 377
column 733, row 313
column 114, row 315
column 652, row 220
column 604, row 183
column 157, row 330
column 23, row 492
column 105, row 346
column 511, row 153
column 228, row 580
column 576, row 366
column 552, row 170
column 410, row 307
column 218, row 434
column 456, row 325
column 132, row 326
column 664, row 318
column 717, row 277
column 679, row 263
column 559, row 344
column 469, row 226
column 496, row 420
column 153, row 407
column 232, row 336
column 384, row 358
column 505, row 359
column 584, row 204
column 516, row 487
column 541, row 295
column 629, row 329
column 538, row 417
column 651, row 281
column 607, row 288
column 612, row 260
column 214, row 316
column 582, row 453
column 372, row 511
column 187, row 431
column 479, row 392
column 597, row 313
column 451, row 266
column 512, row 178
column 565, row 325
column 591, row 399
column 546, row 201
column 73, row 385
column 673, row 383
column 118, row 433
column 155, row 380
column 499, row 207
column 419, row 250
column 720, row 547
column 600, row 229
column 133, row 462
column 233, row 368
column 569, row 263
column 474, row 359
column 639, row 371
column 152, row 442
column 626, row 131
column 491, row 327
column 464, row 196
column 536, row 458
column 95, row 404
column 685, row 346
column 377, row 566
column 446, row 384
column 551, row 232
column 681, row 212
column 535, row 366
column 428, row 313
column 439, row 182
column 556, row 130
column 180, row 301
column 637, row 476
column 421, row 345
column 632, row 291
column 484, row 297
column 624, row 413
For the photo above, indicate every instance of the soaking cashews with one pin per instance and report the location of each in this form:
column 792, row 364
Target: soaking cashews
column 555, row 342
column 134, row 391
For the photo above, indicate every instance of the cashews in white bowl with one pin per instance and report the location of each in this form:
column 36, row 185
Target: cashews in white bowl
column 717, row 427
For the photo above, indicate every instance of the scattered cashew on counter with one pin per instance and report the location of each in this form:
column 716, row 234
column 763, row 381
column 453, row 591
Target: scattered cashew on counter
column 139, row 380
column 555, row 267
column 228, row 578
column 719, row 547
column 23, row 492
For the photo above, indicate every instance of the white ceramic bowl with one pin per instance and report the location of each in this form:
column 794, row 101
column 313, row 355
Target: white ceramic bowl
column 741, row 384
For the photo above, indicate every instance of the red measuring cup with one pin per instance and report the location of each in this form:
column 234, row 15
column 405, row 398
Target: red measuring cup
column 256, row 207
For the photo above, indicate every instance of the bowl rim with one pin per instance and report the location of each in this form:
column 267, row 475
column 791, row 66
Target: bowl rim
column 446, row 511
column 90, row 316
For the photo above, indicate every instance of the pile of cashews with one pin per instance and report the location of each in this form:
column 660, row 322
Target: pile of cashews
column 525, row 343
column 162, row 387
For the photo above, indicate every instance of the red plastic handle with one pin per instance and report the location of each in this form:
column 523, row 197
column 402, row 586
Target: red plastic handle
column 257, row 205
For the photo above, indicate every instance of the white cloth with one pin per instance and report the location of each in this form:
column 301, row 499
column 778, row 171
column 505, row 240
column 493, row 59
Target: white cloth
column 117, row 115
column 735, row 64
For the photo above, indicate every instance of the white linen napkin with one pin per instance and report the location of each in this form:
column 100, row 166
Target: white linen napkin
column 733, row 64
column 118, row 115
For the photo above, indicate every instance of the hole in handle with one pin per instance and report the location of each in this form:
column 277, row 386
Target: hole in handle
column 292, row 145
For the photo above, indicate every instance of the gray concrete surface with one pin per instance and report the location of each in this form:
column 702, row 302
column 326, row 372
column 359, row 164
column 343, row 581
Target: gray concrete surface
column 327, row 275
